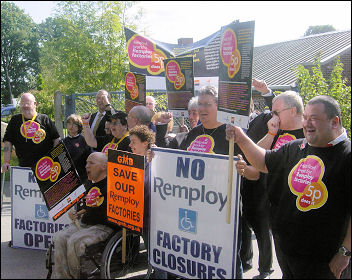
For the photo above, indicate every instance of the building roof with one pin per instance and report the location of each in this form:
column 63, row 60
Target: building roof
column 273, row 63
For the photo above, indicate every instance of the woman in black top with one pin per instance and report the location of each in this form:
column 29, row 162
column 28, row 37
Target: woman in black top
column 77, row 146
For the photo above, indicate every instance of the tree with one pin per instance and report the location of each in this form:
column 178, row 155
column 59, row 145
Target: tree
column 312, row 83
column 83, row 46
column 317, row 29
column 19, row 51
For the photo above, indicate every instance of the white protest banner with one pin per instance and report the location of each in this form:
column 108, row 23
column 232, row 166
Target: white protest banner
column 188, row 234
column 31, row 226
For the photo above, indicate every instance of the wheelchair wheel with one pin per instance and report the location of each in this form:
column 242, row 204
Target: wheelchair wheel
column 111, row 262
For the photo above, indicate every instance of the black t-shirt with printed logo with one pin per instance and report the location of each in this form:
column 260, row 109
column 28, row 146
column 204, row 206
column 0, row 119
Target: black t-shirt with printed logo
column 281, row 138
column 314, row 191
column 104, row 141
column 284, row 136
column 30, row 150
column 94, row 202
column 209, row 141
column 213, row 142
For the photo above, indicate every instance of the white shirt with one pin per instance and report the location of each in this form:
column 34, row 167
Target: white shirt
column 96, row 118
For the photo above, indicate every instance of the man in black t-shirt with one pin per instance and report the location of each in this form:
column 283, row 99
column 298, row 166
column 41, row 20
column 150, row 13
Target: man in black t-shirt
column 313, row 220
column 32, row 134
column 284, row 126
column 254, row 197
column 71, row 243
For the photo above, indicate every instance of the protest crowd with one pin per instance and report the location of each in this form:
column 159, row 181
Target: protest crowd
column 283, row 140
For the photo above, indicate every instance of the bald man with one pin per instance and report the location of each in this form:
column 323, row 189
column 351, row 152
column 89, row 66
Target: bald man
column 71, row 243
column 32, row 134
column 141, row 115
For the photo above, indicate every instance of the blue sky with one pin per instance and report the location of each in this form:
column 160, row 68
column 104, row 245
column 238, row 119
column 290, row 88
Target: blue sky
column 275, row 21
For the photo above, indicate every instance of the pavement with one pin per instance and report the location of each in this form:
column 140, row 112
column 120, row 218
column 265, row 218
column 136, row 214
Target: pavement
column 19, row 263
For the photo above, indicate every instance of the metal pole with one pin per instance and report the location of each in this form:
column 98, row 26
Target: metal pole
column 2, row 186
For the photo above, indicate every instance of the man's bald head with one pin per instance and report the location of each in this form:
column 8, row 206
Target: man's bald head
column 27, row 96
column 99, row 157
column 138, row 115
column 28, row 105
column 97, row 166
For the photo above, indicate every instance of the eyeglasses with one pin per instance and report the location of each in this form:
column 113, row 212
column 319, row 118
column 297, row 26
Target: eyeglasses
column 276, row 113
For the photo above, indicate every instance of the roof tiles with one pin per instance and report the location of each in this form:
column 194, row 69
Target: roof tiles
column 274, row 63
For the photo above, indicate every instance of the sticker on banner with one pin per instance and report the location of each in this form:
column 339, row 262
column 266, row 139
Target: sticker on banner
column 187, row 220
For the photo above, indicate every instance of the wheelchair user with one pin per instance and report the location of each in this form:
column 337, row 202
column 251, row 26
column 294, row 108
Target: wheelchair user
column 71, row 242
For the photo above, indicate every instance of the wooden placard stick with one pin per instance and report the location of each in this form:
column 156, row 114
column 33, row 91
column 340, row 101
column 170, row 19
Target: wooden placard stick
column 230, row 180
column 123, row 245
column 76, row 222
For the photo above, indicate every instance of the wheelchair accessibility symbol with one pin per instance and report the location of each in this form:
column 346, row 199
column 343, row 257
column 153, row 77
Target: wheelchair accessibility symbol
column 187, row 220
column 41, row 212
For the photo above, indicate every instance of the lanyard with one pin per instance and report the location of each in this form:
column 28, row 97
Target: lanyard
column 117, row 144
column 30, row 123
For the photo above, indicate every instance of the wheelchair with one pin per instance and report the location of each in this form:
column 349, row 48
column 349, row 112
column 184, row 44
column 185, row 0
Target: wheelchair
column 104, row 259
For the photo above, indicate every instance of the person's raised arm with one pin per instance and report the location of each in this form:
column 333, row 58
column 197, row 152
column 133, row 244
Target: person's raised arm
column 261, row 86
column 88, row 134
column 161, row 129
column 7, row 156
column 273, row 127
column 254, row 154
column 266, row 92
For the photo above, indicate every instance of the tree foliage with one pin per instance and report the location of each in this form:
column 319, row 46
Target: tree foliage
column 83, row 46
column 19, row 51
column 312, row 83
column 317, row 29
